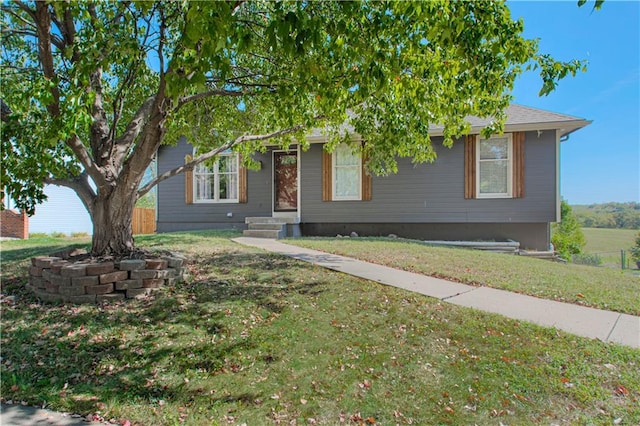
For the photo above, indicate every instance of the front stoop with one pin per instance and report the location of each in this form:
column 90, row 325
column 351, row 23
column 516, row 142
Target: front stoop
column 272, row 227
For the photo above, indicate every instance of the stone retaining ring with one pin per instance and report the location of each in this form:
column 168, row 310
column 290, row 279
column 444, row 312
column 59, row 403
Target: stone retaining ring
column 53, row 279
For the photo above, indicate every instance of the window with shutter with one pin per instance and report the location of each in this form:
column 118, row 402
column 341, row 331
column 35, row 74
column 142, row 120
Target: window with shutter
column 344, row 176
column 223, row 181
column 494, row 167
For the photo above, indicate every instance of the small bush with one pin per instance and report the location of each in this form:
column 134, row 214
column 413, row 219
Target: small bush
column 38, row 235
column 58, row 235
column 79, row 235
column 567, row 238
column 635, row 250
column 587, row 259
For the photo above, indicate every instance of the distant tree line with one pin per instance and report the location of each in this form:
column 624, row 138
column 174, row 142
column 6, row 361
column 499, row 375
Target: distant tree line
column 608, row 215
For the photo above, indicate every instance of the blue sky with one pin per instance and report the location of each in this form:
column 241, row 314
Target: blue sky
column 599, row 163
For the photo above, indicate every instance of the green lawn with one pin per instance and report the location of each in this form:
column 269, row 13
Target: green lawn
column 258, row 338
column 607, row 243
column 585, row 285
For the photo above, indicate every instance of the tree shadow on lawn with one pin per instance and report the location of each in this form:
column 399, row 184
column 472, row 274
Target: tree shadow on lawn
column 121, row 352
column 18, row 254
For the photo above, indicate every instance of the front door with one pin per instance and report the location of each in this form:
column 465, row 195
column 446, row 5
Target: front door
column 285, row 165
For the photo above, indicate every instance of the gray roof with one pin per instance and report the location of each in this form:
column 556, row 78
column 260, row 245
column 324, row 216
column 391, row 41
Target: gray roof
column 519, row 118
column 523, row 118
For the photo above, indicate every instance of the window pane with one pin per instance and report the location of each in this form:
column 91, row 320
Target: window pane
column 347, row 181
column 497, row 149
column 201, row 168
column 204, row 186
column 346, row 157
column 227, row 164
column 223, row 172
column 493, row 177
column 228, row 186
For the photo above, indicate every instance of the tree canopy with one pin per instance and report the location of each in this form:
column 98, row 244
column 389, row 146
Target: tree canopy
column 92, row 89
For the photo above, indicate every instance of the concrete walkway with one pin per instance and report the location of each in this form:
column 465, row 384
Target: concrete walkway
column 22, row 415
column 606, row 326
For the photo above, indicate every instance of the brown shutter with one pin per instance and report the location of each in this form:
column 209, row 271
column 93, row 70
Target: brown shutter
column 518, row 165
column 470, row 166
column 188, row 182
column 327, row 184
column 366, row 180
column 188, row 187
column 242, row 184
column 242, row 181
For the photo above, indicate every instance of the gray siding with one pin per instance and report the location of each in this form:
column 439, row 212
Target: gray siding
column 434, row 193
column 175, row 215
column 427, row 198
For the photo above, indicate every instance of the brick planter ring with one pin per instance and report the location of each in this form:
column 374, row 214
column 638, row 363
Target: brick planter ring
column 54, row 279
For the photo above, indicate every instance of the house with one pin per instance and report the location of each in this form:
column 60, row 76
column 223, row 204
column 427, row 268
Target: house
column 14, row 224
column 502, row 188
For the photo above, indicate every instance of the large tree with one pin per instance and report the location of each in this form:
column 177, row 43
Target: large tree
column 92, row 89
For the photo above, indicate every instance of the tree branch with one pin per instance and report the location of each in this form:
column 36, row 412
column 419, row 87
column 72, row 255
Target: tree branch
column 43, row 23
column 148, row 141
column 215, row 92
column 213, row 153
column 124, row 142
column 89, row 165
column 26, row 8
column 80, row 185
column 5, row 111
column 100, row 143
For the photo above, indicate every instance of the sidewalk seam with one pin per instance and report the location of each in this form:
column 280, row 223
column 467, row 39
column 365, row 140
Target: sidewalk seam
column 615, row 324
column 444, row 299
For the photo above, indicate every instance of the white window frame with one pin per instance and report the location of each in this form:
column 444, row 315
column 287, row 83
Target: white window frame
column 334, row 176
column 509, row 192
column 216, row 178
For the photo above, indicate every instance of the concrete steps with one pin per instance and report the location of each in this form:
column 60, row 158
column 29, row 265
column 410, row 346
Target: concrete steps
column 266, row 227
column 264, row 233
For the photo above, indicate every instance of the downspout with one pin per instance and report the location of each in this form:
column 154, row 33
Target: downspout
column 559, row 138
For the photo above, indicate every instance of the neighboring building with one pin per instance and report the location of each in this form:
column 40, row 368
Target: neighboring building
column 14, row 224
column 62, row 211
column 502, row 188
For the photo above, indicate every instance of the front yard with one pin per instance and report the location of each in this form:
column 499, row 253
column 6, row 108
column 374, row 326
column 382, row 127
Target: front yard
column 257, row 338
column 604, row 288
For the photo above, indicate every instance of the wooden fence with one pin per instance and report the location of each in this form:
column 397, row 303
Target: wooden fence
column 144, row 221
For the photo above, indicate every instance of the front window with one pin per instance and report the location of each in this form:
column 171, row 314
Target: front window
column 347, row 173
column 494, row 166
column 217, row 182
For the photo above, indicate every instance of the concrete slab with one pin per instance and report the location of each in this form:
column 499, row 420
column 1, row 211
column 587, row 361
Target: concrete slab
column 626, row 331
column 20, row 415
column 429, row 286
column 580, row 320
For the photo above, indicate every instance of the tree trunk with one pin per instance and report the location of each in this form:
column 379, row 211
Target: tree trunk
column 112, row 216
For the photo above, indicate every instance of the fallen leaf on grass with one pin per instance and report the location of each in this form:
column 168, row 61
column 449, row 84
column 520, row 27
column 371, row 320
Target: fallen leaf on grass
column 621, row 391
column 520, row 397
column 365, row 385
